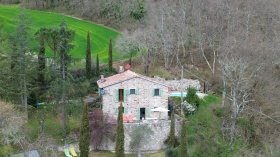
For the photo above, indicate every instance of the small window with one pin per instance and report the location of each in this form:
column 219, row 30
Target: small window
column 156, row 92
column 132, row 91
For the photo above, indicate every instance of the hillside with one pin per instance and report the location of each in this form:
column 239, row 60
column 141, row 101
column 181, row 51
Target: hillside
column 100, row 35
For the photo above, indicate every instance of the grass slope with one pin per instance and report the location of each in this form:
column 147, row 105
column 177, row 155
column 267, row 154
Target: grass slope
column 100, row 35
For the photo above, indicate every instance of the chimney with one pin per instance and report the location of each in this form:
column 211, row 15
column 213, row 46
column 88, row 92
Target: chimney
column 102, row 78
column 121, row 69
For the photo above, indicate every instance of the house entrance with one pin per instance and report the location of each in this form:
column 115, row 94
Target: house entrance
column 142, row 113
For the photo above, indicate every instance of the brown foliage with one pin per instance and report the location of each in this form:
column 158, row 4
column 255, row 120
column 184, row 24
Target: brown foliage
column 102, row 126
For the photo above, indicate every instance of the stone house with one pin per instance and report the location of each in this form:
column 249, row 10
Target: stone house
column 138, row 94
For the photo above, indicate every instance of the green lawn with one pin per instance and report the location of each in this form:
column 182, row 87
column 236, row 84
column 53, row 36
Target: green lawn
column 100, row 35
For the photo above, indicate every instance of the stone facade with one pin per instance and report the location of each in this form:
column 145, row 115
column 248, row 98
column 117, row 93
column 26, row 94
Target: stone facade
column 143, row 98
column 160, row 128
column 139, row 95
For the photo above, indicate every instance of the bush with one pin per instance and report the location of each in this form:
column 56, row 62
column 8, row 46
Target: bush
column 219, row 112
column 139, row 12
column 172, row 152
column 6, row 150
column 192, row 98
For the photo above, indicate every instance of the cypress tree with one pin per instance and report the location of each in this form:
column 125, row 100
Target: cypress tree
column 171, row 141
column 183, row 143
column 41, row 36
column 120, row 134
column 110, row 55
column 97, row 66
column 88, row 58
column 84, row 134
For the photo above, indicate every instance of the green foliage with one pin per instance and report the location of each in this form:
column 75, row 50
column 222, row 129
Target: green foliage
column 171, row 152
column 139, row 12
column 97, row 66
column 183, row 138
column 204, row 132
column 119, row 149
column 101, row 34
column 6, row 150
column 171, row 137
column 192, row 98
column 84, row 134
column 110, row 56
column 66, row 36
column 88, row 58
column 41, row 35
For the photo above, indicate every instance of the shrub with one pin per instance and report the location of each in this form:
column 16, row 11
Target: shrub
column 172, row 152
column 6, row 150
column 139, row 12
column 192, row 98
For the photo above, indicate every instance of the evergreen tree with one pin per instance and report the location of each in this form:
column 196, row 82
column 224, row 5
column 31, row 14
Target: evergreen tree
column 53, row 42
column 41, row 36
column 120, row 134
column 65, row 36
column 110, row 56
column 172, row 138
column 97, row 66
column 21, row 60
column 183, row 143
column 84, row 134
column 88, row 58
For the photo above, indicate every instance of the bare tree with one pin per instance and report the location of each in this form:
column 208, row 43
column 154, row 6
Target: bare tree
column 11, row 125
column 239, row 78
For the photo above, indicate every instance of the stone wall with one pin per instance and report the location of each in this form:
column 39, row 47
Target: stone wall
column 143, row 99
column 160, row 128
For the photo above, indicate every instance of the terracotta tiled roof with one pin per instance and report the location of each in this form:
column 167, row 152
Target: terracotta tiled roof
column 122, row 77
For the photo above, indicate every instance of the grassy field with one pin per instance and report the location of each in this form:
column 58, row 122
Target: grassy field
column 100, row 35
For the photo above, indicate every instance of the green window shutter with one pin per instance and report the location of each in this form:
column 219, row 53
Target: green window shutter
column 116, row 111
column 153, row 92
column 137, row 91
column 128, row 92
column 138, row 113
column 117, row 95
column 160, row 92
column 125, row 95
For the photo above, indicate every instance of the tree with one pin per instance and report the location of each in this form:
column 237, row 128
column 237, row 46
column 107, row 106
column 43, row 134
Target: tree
column 183, row 143
column 41, row 36
column 88, row 58
column 172, row 137
column 11, row 126
column 119, row 149
column 140, row 136
column 192, row 98
column 21, row 59
column 65, row 36
column 110, row 56
column 139, row 43
column 84, row 134
column 102, row 126
column 239, row 77
column 53, row 42
column 97, row 66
